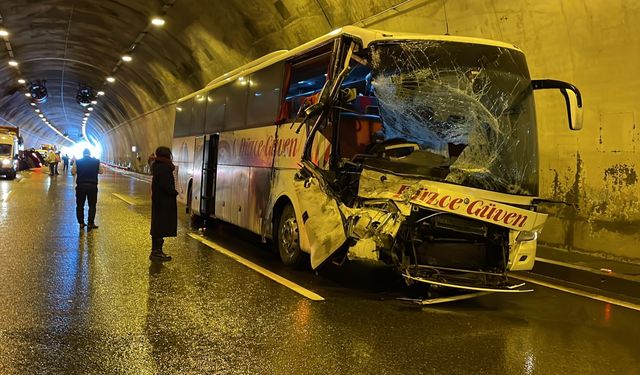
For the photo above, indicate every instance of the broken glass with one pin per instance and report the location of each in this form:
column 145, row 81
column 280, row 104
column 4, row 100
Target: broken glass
column 468, row 107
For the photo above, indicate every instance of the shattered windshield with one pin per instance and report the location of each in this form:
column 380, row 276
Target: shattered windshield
column 463, row 111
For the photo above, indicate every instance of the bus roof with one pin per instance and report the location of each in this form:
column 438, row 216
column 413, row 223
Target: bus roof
column 366, row 36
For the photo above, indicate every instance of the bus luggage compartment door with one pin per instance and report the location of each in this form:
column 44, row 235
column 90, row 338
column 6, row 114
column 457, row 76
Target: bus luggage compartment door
column 209, row 171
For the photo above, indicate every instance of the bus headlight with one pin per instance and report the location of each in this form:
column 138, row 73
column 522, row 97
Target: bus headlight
column 527, row 236
column 6, row 163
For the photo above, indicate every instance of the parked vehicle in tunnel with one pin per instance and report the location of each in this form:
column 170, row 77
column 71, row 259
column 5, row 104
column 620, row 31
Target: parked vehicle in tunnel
column 10, row 142
column 416, row 151
column 29, row 159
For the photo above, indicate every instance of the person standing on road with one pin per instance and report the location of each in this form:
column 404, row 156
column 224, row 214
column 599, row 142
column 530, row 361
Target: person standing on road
column 58, row 160
column 164, row 208
column 150, row 160
column 65, row 163
column 86, row 171
column 51, row 159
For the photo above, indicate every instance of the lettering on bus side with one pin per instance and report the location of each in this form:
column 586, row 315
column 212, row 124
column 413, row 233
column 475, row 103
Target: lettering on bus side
column 266, row 148
column 479, row 208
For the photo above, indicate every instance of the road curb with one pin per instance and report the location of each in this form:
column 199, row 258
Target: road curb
column 608, row 282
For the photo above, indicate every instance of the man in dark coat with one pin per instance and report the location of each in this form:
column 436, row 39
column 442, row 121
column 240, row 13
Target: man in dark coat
column 65, row 163
column 86, row 171
column 164, row 208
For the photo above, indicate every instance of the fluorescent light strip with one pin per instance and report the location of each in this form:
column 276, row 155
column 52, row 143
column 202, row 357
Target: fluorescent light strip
column 58, row 132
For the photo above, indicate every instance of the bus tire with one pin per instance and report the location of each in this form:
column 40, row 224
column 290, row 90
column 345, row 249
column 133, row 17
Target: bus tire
column 11, row 175
column 288, row 238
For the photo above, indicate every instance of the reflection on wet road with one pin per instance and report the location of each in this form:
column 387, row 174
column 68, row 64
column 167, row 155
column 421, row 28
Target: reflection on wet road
column 75, row 303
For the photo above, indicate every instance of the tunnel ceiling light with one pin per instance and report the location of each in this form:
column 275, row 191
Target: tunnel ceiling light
column 157, row 21
column 37, row 110
column 94, row 102
column 90, row 108
column 41, row 115
column 100, row 93
column 4, row 32
column 111, row 79
column 13, row 63
column 22, row 81
column 127, row 58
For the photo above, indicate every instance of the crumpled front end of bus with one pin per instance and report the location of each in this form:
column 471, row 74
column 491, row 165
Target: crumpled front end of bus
column 441, row 181
column 440, row 234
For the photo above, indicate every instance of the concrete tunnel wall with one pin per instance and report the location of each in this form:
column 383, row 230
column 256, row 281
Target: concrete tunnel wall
column 591, row 44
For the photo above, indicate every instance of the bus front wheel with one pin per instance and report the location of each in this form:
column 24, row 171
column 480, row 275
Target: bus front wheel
column 288, row 238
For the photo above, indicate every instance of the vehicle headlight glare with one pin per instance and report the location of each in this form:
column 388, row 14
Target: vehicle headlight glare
column 6, row 162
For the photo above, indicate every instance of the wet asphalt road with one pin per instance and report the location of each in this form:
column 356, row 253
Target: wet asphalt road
column 74, row 302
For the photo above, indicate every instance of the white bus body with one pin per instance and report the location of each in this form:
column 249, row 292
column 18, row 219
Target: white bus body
column 416, row 151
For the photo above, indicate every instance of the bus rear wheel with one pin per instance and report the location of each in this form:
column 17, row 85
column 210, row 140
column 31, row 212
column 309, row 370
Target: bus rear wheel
column 288, row 238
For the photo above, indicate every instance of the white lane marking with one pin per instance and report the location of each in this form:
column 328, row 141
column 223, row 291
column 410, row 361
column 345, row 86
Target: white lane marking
column 597, row 297
column 123, row 198
column 130, row 174
column 138, row 179
column 583, row 268
column 273, row 276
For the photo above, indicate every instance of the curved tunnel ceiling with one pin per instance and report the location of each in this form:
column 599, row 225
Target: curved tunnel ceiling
column 71, row 44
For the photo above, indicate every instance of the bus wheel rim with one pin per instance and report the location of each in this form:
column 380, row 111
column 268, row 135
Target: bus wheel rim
column 289, row 236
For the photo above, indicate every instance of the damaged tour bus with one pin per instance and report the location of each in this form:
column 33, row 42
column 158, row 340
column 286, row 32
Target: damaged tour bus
column 412, row 150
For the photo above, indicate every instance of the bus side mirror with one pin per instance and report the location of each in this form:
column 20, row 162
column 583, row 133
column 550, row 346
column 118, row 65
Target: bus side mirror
column 574, row 108
column 572, row 98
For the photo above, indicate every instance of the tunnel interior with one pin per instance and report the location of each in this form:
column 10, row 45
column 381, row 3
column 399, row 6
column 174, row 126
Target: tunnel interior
column 114, row 70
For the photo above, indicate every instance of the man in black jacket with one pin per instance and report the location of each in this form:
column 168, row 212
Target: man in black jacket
column 86, row 171
column 164, row 208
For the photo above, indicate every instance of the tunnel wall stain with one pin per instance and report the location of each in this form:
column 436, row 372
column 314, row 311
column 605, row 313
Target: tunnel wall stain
column 594, row 172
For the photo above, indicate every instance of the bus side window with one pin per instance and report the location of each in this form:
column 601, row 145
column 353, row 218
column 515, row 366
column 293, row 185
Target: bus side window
column 182, row 126
column 236, row 109
column 264, row 95
column 216, row 103
column 198, row 114
column 305, row 80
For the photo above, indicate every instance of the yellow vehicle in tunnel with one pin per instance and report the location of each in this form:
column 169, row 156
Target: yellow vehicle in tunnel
column 10, row 142
column 415, row 151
